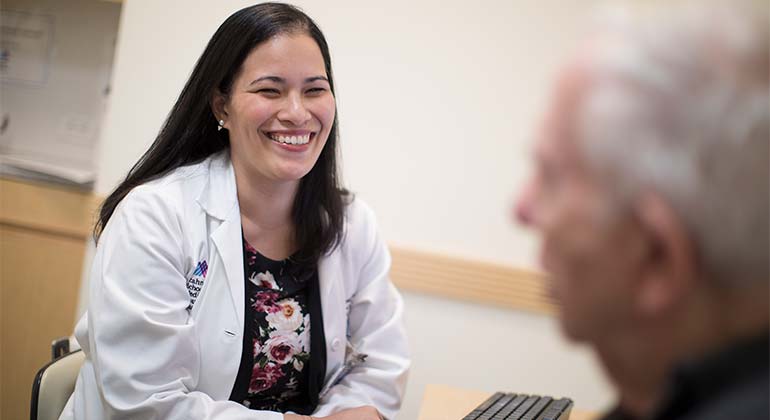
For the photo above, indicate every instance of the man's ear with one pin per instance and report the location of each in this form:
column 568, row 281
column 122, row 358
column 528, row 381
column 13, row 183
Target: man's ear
column 219, row 105
column 669, row 266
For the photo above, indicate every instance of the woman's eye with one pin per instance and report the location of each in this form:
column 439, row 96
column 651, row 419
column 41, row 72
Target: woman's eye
column 316, row 91
column 269, row 92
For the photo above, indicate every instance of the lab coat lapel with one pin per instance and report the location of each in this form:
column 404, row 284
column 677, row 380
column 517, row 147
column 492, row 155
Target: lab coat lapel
column 333, row 305
column 220, row 200
column 227, row 240
column 326, row 271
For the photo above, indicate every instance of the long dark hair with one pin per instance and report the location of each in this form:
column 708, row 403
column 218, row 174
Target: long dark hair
column 189, row 134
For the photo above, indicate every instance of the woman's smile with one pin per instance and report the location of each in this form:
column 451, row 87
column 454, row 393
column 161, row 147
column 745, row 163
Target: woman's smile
column 291, row 140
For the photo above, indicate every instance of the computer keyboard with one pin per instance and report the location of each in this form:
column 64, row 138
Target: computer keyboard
column 508, row 406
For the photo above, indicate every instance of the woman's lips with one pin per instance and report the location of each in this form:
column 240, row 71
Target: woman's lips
column 292, row 141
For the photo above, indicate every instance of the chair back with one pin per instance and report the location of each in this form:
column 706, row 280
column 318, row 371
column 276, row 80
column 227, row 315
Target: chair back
column 53, row 386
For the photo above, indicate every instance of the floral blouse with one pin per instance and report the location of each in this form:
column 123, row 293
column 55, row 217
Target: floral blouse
column 276, row 343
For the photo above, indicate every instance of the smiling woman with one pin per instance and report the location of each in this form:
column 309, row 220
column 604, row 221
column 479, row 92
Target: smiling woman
column 221, row 257
column 279, row 112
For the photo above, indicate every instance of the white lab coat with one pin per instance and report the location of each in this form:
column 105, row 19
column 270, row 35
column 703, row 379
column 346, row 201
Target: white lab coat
column 150, row 356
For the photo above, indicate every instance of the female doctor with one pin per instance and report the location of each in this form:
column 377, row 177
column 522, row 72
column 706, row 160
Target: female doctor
column 234, row 278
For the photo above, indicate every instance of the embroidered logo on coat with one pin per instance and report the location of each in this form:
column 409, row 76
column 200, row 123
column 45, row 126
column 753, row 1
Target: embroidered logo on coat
column 195, row 283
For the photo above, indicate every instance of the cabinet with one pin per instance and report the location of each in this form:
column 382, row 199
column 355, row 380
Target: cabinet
column 43, row 235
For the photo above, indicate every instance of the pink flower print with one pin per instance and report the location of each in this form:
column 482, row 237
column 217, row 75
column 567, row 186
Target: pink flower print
column 265, row 302
column 264, row 280
column 281, row 348
column 304, row 336
column 263, row 378
column 289, row 318
column 251, row 252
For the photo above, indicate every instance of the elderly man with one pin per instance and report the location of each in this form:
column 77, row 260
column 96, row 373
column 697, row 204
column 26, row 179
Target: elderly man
column 651, row 197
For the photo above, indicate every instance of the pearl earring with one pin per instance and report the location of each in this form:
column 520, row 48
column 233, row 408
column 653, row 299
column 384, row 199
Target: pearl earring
column 221, row 125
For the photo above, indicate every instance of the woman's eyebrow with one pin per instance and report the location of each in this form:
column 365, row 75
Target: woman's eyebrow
column 277, row 79
column 316, row 78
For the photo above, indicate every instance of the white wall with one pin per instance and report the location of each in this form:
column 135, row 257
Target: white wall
column 485, row 348
column 438, row 102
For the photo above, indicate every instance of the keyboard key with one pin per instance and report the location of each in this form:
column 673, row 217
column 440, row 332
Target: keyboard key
column 512, row 405
column 498, row 405
column 537, row 408
column 523, row 408
column 502, row 406
column 558, row 410
column 476, row 413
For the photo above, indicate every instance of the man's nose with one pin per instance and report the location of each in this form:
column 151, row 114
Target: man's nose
column 522, row 208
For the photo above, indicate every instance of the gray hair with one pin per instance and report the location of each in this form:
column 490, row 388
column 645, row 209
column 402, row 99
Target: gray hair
column 678, row 104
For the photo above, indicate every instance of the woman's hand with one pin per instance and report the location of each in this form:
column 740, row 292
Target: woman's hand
column 358, row 413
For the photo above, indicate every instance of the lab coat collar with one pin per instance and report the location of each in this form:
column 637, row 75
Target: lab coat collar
column 219, row 196
column 219, row 199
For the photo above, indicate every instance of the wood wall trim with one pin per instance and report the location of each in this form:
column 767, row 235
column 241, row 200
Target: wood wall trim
column 469, row 280
column 45, row 208
column 70, row 213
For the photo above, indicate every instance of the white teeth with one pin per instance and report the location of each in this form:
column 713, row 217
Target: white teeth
column 304, row 139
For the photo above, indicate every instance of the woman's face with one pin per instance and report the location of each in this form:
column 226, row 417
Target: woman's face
column 280, row 109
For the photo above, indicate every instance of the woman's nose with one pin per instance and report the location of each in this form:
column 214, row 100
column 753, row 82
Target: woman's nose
column 294, row 110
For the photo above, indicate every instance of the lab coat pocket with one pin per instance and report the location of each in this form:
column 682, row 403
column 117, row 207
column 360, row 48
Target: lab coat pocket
column 229, row 335
column 353, row 358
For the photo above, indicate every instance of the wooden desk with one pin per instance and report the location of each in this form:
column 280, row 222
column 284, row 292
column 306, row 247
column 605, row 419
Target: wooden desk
column 442, row 402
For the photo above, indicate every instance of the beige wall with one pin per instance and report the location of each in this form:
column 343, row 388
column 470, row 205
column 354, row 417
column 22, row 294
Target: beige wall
column 438, row 102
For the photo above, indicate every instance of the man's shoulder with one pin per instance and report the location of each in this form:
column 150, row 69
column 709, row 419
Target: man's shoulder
column 749, row 399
